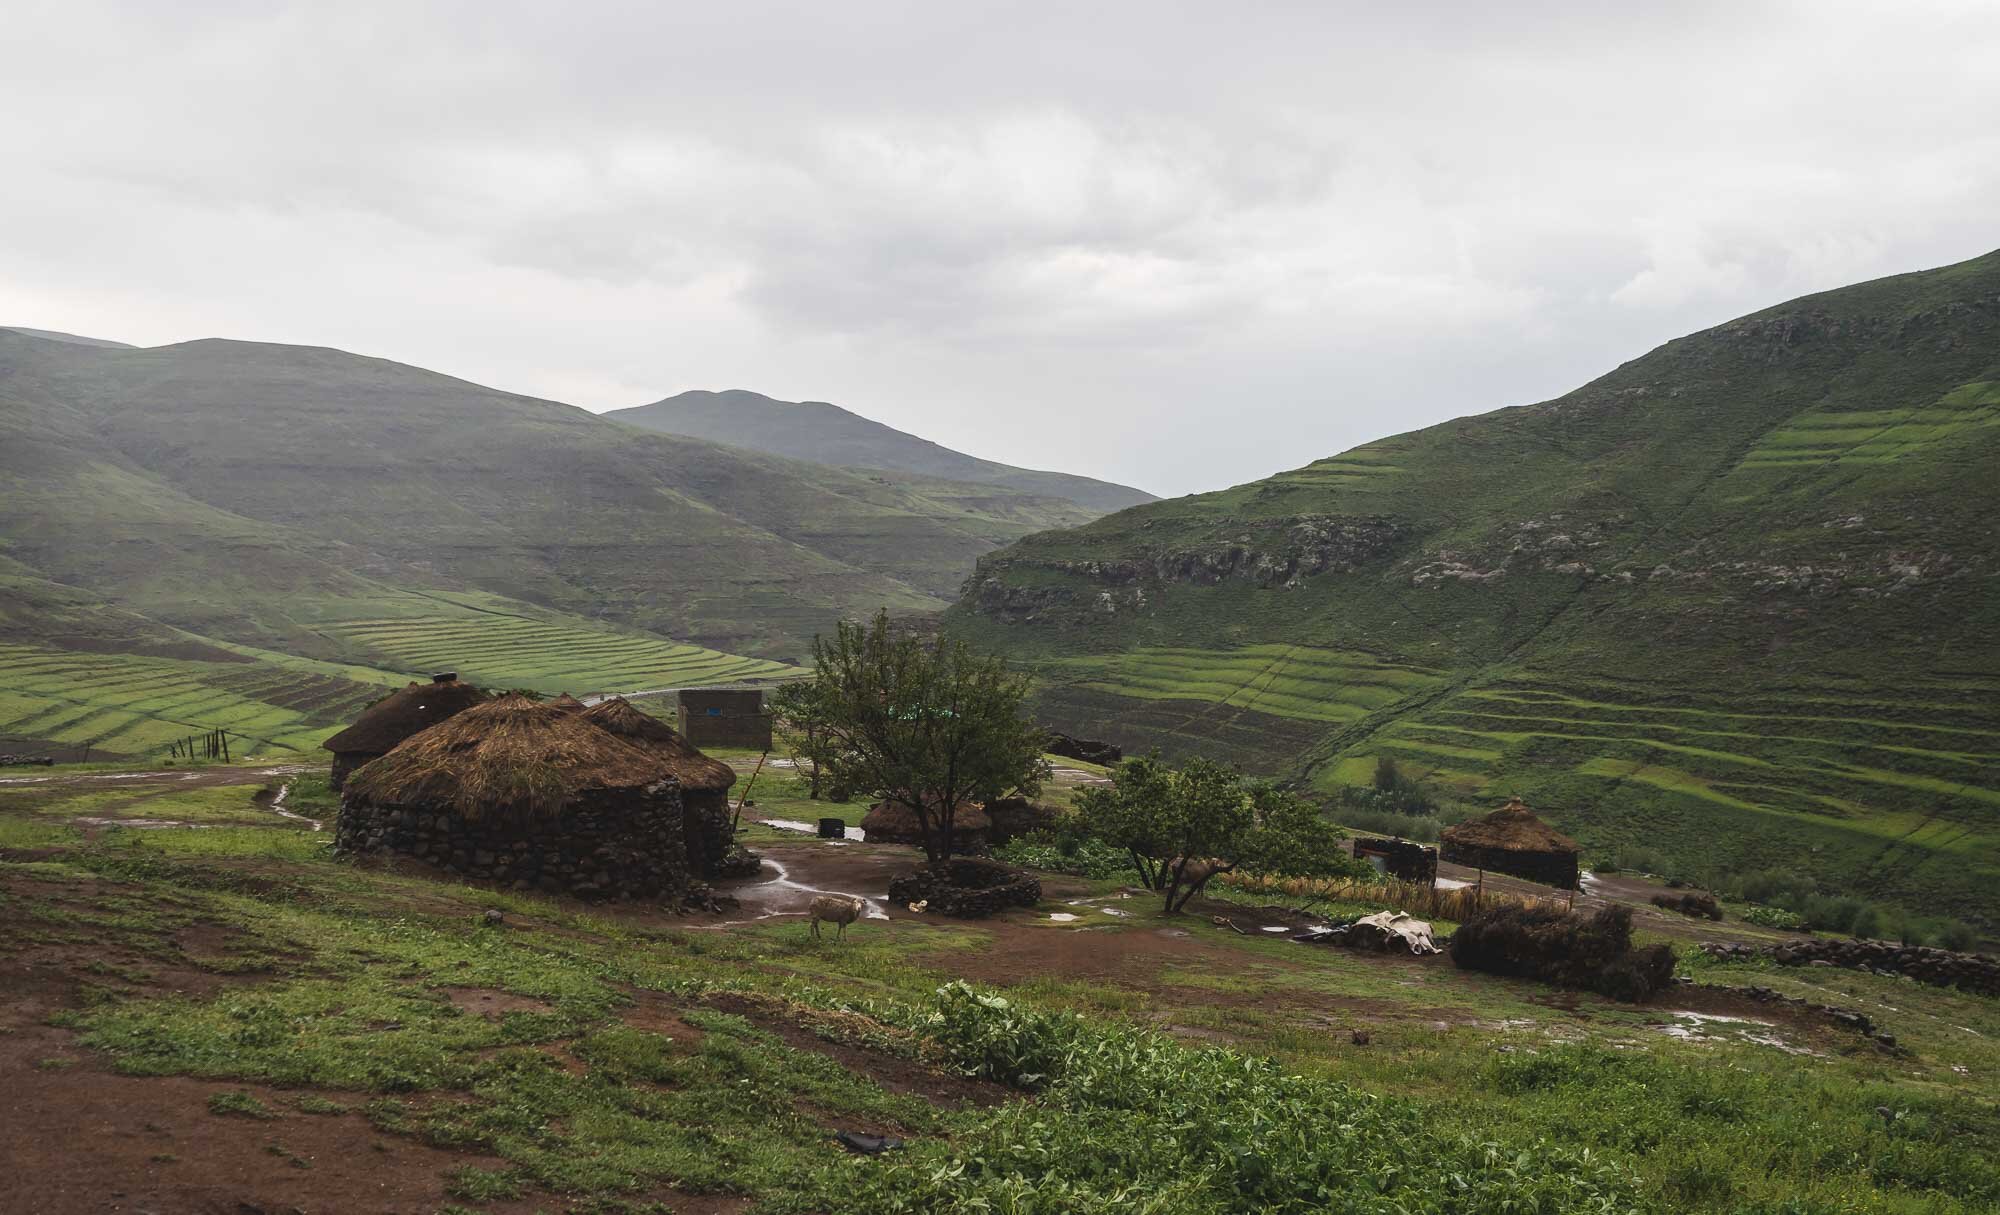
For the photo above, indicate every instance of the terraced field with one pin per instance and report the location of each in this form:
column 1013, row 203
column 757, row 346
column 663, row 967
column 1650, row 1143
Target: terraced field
column 506, row 650
column 1894, row 792
column 1876, row 436
column 1303, row 683
column 126, row 704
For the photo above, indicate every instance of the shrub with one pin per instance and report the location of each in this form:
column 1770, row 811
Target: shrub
column 1639, row 860
column 1835, row 913
column 1591, row 952
column 1690, row 904
column 1774, row 917
column 1051, row 853
column 1421, row 828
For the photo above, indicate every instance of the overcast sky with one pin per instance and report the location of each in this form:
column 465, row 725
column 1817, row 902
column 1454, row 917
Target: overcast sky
column 1180, row 246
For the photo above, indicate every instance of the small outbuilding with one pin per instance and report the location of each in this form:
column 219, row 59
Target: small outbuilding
column 526, row 795
column 396, row 717
column 896, row 822
column 725, row 717
column 567, row 703
column 705, row 782
column 1512, row 840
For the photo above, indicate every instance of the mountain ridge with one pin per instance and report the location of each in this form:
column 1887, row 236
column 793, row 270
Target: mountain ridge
column 824, row 433
column 1662, row 604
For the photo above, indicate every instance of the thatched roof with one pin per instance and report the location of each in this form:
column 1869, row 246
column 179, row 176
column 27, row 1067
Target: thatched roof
column 1511, row 828
column 567, row 703
column 508, row 756
column 895, row 818
column 402, row 713
column 695, row 770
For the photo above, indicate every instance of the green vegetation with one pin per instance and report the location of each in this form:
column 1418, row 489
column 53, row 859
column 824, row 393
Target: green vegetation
column 1733, row 602
column 930, row 725
column 252, row 493
column 626, row 1051
column 1182, row 827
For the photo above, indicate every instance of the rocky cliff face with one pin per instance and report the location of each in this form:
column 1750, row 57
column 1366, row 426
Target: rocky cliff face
column 1272, row 554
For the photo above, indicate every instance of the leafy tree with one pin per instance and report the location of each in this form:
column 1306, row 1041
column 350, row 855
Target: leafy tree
column 1387, row 775
column 802, row 709
column 925, row 724
column 1182, row 826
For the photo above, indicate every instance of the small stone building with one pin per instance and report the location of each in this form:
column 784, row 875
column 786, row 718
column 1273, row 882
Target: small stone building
column 725, row 717
column 396, row 717
column 1512, row 840
column 705, row 782
column 526, row 795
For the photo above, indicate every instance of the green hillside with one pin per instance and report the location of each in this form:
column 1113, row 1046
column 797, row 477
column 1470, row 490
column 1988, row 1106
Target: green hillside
column 827, row 434
column 1737, row 601
column 249, row 491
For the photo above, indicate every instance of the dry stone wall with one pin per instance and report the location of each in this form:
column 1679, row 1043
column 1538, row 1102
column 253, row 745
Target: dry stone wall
column 628, row 848
column 1974, row 972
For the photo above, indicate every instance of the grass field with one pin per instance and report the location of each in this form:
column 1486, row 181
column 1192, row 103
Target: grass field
column 135, row 705
column 230, row 1006
column 504, row 650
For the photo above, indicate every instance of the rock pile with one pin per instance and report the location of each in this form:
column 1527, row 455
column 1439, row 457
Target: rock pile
column 613, row 852
column 968, row 889
column 1973, row 972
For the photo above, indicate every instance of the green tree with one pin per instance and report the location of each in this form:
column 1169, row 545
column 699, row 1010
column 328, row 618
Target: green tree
column 1182, row 826
column 926, row 724
column 1387, row 775
column 803, row 710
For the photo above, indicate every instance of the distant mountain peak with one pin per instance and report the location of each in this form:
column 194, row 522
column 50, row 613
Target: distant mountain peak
column 822, row 432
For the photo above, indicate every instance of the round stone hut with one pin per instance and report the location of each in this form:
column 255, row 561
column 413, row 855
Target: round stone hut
column 527, row 795
column 396, row 717
column 704, row 782
column 1512, row 840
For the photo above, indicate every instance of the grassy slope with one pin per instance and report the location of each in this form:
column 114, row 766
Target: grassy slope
column 301, row 991
column 828, row 434
column 229, row 486
column 1735, row 600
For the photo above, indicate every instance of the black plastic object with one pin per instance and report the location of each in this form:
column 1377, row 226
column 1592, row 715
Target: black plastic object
column 832, row 829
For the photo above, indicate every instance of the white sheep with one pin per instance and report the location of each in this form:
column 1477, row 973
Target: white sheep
column 835, row 909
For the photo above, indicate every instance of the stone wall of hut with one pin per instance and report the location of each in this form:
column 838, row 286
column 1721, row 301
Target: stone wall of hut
column 628, row 845
column 1556, row 869
column 345, row 762
column 705, row 826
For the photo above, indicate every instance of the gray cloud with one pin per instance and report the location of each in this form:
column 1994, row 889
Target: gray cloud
column 1171, row 244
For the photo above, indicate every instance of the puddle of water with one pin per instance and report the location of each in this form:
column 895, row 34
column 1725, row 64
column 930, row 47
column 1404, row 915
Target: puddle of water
column 871, row 909
column 1276, row 928
column 792, row 824
column 1062, row 917
column 1113, row 911
column 277, row 807
column 141, row 824
column 1451, row 884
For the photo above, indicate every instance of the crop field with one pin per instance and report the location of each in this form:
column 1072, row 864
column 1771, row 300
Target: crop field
column 135, row 705
column 1364, row 469
column 1893, row 792
column 1875, row 436
column 1303, row 683
column 518, row 651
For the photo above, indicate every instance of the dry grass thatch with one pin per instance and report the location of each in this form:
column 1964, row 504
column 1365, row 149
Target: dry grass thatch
column 894, row 819
column 567, row 703
column 402, row 713
column 1511, row 828
column 508, row 756
column 696, row 772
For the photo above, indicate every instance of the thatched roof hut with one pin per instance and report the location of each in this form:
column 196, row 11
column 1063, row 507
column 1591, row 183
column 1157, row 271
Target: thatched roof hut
column 696, row 772
column 529, row 795
column 567, row 703
column 1512, row 840
column 894, row 822
column 396, row 717
column 506, row 757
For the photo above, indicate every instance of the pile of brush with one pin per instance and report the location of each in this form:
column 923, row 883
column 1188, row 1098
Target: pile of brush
column 1697, row 906
column 1587, row 952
